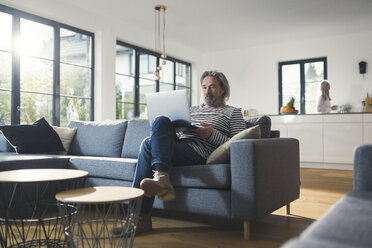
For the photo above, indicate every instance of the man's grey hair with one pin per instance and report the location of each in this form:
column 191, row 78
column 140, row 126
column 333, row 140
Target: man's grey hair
column 222, row 80
column 322, row 88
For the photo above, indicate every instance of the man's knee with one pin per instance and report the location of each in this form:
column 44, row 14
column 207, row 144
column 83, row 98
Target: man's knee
column 161, row 121
column 145, row 145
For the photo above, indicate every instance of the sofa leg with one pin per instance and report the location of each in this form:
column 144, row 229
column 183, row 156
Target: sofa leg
column 288, row 208
column 247, row 230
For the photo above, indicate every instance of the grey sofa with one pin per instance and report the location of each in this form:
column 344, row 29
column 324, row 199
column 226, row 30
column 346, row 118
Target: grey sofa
column 263, row 174
column 349, row 222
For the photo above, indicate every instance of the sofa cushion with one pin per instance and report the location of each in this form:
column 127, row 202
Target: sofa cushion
column 103, row 139
column 4, row 144
column 39, row 137
column 137, row 130
column 215, row 176
column 348, row 222
column 263, row 121
column 110, row 168
column 222, row 154
column 66, row 135
column 14, row 161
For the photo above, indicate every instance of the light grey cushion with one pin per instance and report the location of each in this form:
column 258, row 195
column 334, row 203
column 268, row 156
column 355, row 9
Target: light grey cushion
column 66, row 135
column 103, row 139
column 222, row 154
column 3, row 143
column 136, row 132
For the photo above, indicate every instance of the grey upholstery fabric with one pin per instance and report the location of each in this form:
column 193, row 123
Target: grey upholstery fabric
column 137, row 130
column 14, row 161
column 363, row 168
column 111, row 168
column 348, row 223
column 98, row 181
column 214, row 176
column 263, row 121
column 274, row 134
column 314, row 243
column 103, row 139
column 210, row 202
column 262, row 179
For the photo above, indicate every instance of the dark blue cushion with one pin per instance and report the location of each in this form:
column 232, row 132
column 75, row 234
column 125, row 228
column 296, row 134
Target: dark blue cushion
column 36, row 138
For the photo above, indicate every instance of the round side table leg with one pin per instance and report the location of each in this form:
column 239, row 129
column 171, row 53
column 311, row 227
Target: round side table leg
column 92, row 224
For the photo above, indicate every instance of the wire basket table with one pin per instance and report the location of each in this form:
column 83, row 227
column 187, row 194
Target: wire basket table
column 28, row 211
column 99, row 211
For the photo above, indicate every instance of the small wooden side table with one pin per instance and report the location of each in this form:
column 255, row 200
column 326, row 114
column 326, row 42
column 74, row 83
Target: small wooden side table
column 99, row 210
column 28, row 211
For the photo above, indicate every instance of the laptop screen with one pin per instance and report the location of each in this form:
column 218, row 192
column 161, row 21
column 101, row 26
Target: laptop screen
column 172, row 104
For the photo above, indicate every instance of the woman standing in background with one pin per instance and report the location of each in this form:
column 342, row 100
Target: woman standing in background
column 324, row 101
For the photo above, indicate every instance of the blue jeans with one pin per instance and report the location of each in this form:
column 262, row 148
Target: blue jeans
column 160, row 152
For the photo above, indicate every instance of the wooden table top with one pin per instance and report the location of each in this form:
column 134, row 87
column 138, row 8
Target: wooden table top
column 40, row 175
column 99, row 194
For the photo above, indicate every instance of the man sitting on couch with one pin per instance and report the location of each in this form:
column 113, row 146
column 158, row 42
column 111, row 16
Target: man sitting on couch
column 164, row 149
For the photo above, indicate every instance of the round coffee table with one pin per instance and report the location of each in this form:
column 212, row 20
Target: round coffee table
column 99, row 210
column 28, row 212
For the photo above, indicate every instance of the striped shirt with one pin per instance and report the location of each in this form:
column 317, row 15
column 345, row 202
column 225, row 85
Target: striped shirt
column 226, row 122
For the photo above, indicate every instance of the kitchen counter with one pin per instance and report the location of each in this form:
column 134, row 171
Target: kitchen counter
column 326, row 140
column 350, row 113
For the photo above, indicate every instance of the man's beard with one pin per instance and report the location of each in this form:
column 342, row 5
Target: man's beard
column 210, row 100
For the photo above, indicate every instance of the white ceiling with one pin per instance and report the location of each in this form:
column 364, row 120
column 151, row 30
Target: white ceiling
column 211, row 25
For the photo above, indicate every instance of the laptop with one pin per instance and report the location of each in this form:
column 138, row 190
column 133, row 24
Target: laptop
column 172, row 104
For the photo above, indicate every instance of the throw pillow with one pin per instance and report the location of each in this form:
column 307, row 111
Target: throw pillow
column 66, row 135
column 222, row 154
column 263, row 121
column 36, row 138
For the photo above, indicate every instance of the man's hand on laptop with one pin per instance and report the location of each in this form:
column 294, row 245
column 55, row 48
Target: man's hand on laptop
column 204, row 131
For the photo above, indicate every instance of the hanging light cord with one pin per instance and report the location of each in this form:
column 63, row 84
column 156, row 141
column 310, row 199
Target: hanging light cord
column 163, row 30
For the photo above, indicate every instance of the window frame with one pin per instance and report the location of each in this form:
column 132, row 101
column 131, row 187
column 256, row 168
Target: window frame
column 302, row 63
column 15, row 64
column 140, row 50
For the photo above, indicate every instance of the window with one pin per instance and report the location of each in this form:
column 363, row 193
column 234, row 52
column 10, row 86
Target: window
column 135, row 78
column 301, row 79
column 46, row 69
column 5, row 68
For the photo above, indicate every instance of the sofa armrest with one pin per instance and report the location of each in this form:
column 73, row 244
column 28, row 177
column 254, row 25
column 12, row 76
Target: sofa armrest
column 363, row 168
column 265, row 175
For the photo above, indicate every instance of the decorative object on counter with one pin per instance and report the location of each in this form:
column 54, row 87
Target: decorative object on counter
column 289, row 109
column 346, row 108
column 368, row 104
column 250, row 112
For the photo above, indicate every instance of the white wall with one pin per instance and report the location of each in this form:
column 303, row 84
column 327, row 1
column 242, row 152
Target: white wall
column 253, row 72
column 106, row 32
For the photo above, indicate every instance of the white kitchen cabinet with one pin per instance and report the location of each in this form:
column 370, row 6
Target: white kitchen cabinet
column 310, row 136
column 326, row 140
column 340, row 140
